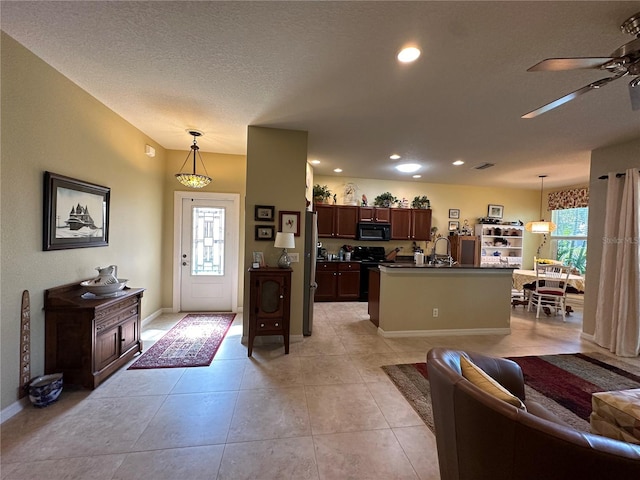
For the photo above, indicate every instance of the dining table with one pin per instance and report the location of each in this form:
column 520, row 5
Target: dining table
column 522, row 277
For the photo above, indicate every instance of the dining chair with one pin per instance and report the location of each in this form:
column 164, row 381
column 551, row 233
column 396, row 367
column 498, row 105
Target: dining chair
column 550, row 288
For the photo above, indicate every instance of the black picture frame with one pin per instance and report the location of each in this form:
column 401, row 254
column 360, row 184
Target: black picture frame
column 76, row 213
column 265, row 232
column 264, row 213
column 495, row 211
column 454, row 225
column 454, row 213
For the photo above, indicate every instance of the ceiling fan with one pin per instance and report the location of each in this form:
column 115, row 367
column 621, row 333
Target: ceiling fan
column 623, row 61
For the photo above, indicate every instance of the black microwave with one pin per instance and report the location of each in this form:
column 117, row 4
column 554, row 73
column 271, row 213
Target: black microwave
column 374, row 231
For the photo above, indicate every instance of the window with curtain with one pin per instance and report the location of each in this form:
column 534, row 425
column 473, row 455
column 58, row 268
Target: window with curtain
column 569, row 241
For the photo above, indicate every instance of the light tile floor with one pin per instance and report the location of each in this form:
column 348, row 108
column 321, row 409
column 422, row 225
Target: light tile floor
column 325, row 411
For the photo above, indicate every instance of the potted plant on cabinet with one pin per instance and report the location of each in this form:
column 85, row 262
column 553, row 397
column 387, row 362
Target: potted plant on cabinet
column 385, row 200
column 421, row 202
column 321, row 193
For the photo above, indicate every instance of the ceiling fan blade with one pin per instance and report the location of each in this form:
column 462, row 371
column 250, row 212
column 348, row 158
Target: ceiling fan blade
column 634, row 93
column 570, row 96
column 558, row 64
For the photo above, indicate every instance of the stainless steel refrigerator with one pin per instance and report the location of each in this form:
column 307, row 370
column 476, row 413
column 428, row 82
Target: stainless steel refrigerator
column 310, row 254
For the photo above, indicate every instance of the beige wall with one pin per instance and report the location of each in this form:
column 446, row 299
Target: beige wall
column 48, row 123
column 472, row 202
column 229, row 175
column 616, row 158
column 276, row 169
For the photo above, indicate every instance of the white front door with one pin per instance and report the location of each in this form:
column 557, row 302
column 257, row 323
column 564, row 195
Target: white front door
column 208, row 253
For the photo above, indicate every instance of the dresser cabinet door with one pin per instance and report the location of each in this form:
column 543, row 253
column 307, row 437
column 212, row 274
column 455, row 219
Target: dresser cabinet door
column 107, row 347
column 129, row 334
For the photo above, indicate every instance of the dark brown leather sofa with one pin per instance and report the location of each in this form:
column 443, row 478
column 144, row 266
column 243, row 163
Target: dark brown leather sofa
column 481, row 437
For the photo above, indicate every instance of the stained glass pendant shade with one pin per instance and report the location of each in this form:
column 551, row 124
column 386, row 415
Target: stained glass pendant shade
column 193, row 180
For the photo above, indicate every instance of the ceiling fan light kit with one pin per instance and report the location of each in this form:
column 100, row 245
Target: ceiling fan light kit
column 624, row 61
column 194, row 180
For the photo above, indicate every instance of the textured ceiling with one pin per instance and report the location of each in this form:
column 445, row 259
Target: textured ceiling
column 329, row 68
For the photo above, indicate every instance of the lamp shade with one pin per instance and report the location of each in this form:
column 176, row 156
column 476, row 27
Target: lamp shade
column 284, row 240
column 540, row 227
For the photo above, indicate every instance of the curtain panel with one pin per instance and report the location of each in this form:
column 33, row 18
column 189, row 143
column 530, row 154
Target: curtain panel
column 574, row 198
column 618, row 309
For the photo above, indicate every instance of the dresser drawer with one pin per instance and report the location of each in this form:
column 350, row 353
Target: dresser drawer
column 114, row 315
column 269, row 325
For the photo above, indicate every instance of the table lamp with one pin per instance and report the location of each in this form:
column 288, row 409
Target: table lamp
column 284, row 241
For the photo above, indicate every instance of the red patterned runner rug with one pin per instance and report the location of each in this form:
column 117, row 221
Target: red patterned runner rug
column 192, row 342
column 562, row 383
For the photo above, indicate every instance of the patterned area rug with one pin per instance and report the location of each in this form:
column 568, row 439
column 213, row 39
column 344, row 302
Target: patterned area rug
column 192, row 342
column 562, row 383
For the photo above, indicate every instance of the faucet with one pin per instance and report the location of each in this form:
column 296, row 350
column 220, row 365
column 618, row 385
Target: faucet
column 437, row 258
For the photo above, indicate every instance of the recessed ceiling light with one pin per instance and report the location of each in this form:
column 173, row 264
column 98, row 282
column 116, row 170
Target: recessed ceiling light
column 315, row 162
column 417, row 176
column 337, row 170
column 408, row 55
column 408, row 167
column 395, row 156
column 458, row 162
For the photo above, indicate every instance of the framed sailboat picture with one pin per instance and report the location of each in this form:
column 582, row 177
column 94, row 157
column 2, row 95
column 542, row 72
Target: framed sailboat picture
column 76, row 213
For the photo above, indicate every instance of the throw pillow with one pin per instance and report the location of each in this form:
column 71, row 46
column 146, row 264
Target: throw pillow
column 484, row 382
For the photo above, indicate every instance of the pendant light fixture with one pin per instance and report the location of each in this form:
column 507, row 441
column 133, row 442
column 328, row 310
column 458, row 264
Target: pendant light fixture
column 193, row 180
column 542, row 226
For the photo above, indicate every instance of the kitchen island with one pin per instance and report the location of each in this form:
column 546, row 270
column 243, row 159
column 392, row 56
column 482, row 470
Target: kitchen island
column 411, row 300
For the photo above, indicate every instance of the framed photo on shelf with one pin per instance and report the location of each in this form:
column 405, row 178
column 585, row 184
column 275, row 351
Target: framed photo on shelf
column 495, row 211
column 454, row 213
column 76, row 213
column 454, row 225
column 258, row 260
column 290, row 222
column 265, row 213
column 265, row 232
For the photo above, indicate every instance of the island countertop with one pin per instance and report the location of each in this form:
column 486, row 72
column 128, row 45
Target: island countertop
column 389, row 266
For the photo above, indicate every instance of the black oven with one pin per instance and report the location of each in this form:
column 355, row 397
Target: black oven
column 369, row 257
column 374, row 231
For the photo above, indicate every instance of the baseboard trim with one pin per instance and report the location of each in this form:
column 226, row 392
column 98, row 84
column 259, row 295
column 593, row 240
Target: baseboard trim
column 155, row 315
column 13, row 409
column 588, row 336
column 441, row 333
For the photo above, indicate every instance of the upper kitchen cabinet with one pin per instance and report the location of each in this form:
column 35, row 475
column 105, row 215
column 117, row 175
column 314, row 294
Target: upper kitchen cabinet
column 410, row 224
column 374, row 215
column 337, row 221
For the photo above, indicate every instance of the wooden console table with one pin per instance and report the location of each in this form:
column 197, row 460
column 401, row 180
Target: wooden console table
column 88, row 338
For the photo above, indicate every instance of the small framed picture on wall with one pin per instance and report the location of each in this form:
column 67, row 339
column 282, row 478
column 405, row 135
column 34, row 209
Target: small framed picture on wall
column 265, row 232
column 264, row 213
column 290, row 222
column 454, row 213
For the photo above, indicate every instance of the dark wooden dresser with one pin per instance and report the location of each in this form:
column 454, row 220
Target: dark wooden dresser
column 270, row 304
column 88, row 338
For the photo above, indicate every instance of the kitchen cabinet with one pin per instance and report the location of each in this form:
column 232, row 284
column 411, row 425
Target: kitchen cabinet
column 337, row 281
column 337, row 221
column 270, row 304
column 374, row 215
column 410, row 224
column 87, row 337
column 500, row 245
column 465, row 249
